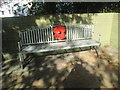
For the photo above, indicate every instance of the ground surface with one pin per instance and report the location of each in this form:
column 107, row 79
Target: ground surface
column 67, row 70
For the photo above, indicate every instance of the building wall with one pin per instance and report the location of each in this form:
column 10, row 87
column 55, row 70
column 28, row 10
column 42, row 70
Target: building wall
column 107, row 25
column 115, row 32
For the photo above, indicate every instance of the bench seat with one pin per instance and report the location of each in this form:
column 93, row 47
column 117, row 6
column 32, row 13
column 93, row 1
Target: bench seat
column 59, row 46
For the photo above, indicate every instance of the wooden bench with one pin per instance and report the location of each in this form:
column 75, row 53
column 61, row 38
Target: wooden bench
column 43, row 39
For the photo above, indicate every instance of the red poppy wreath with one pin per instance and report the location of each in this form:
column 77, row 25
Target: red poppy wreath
column 59, row 32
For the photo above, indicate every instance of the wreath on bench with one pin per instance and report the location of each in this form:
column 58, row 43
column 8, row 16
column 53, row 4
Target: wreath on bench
column 59, row 32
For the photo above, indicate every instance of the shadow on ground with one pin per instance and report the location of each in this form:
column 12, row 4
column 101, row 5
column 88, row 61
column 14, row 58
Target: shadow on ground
column 66, row 70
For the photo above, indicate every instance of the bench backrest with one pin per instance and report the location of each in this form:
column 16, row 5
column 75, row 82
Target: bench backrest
column 45, row 35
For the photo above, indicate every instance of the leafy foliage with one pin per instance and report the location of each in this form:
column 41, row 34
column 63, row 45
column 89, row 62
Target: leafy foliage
column 37, row 8
column 75, row 7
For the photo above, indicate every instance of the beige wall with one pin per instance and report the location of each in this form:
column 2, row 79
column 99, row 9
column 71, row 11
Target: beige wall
column 114, row 32
column 107, row 25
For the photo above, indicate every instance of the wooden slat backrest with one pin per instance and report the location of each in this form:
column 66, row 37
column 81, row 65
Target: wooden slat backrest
column 76, row 31
column 45, row 35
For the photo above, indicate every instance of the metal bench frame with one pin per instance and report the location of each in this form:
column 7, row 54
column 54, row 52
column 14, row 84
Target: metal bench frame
column 38, row 39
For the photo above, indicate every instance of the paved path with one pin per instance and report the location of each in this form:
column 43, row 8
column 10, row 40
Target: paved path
column 74, row 69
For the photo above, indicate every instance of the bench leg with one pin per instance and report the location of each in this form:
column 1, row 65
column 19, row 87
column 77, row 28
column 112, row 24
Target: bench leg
column 96, row 50
column 80, row 49
column 91, row 47
column 21, row 58
column 65, row 50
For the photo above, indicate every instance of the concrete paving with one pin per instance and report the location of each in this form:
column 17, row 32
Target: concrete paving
column 67, row 70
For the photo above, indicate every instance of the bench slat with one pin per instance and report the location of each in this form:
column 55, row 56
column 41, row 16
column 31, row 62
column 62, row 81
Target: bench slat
column 59, row 45
column 40, row 36
column 24, row 38
column 37, row 38
column 43, row 31
column 29, row 37
column 26, row 33
column 51, row 32
column 48, row 34
column 32, row 36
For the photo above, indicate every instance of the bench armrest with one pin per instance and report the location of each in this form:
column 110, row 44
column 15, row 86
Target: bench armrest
column 19, row 46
